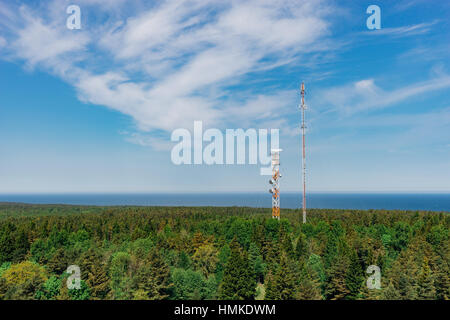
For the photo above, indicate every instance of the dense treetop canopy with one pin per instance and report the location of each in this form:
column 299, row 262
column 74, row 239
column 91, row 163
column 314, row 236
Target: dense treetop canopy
column 221, row 253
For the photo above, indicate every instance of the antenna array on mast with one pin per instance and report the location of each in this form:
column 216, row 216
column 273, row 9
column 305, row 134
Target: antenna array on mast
column 303, row 127
column 275, row 190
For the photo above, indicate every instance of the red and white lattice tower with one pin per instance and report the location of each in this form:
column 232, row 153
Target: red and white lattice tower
column 274, row 181
column 303, row 127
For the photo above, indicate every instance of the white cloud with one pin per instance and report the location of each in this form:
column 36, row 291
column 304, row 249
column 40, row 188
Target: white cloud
column 411, row 30
column 157, row 143
column 2, row 42
column 171, row 64
column 40, row 43
column 366, row 95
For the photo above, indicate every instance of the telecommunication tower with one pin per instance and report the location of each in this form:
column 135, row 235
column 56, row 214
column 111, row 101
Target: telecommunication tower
column 275, row 190
column 303, row 127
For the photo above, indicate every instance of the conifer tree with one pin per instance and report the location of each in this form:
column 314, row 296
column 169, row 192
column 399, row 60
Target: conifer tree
column 99, row 282
column 354, row 278
column 272, row 253
column 390, row 292
column 301, row 248
column 370, row 294
column 183, row 260
column 442, row 285
column 271, row 293
column 3, row 288
column 309, row 288
column 331, row 249
column 93, row 271
column 119, row 272
column 6, row 245
column 256, row 261
column 224, row 255
column 286, row 242
column 205, row 259
column 407, row 287
column 238, row 282
column 58, row 263
column 336, row 288
column 21, row 246
column 426, row 290
column 282, row 285
column 153, row 278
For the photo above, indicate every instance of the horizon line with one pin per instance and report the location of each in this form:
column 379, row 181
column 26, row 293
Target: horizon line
column 226, row 192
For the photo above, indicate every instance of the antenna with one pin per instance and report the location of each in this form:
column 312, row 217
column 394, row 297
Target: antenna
column 275, row 190
column 303, row 127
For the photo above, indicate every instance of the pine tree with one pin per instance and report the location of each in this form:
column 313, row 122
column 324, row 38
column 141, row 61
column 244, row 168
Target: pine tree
column 256, row 261
column 371, row 294
column 119, row 272
column 3, row 288
column 336, row 288
column 406, row 287
column 309, row 288
column 58, row 263
column 205, row 259
column 153, row 278
column 426, row 289
column 403, row 274
column 224, row 255
column 21, row 246
column 271, row 253
column 286, row 242
column 390, row 292
column 331, row 249
column 301, row 249
column 93, row 271
column 354, row 278
column 282, row 286
column 442, row 285
column 184, row 260
column 271, row 293
column 6, row 245
column 238, row 282
column 315, row 264
column 99, row 282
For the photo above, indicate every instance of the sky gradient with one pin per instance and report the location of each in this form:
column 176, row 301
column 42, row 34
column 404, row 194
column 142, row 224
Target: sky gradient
column 92, row 110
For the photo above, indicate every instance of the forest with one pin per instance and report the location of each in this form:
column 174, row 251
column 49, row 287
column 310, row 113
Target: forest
column 195, row 253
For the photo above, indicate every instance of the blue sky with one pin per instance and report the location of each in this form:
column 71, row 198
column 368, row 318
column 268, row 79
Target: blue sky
column 92, row 110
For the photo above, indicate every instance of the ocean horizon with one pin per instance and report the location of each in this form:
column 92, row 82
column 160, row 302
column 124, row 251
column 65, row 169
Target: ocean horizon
column 291, row 200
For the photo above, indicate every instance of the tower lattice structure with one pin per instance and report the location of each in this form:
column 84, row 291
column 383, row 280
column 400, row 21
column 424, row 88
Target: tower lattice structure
column 274, row 181
column 303, row 127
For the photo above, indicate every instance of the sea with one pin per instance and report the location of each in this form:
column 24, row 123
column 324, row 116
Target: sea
column 388, row 201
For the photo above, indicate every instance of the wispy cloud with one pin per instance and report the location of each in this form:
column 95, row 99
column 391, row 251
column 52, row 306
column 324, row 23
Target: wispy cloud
column 437, row 53
column 146, row 140
column 168, row 64
column 366, row 95
column 403, row 5
column 411, row 30
column 2, row 42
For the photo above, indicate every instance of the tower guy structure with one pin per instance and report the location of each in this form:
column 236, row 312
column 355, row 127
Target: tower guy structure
column 303, row 127
column 275, row 190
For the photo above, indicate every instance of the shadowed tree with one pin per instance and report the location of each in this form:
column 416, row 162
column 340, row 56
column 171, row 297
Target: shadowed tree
column 426, row 289
column 354, row 278
column 282, row 285
column 238, row 282
column 153, row 278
